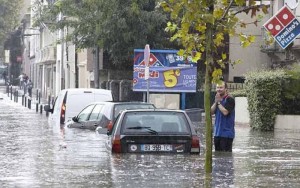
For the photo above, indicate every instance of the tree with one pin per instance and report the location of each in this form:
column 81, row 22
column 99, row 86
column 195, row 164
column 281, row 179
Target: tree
column 117, row 26
column 200, row 26
column 9, row 18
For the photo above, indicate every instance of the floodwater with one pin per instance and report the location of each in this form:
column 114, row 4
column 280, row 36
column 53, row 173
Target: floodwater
column 34, row 154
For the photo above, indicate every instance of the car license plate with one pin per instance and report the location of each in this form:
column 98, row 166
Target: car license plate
column 156, row 147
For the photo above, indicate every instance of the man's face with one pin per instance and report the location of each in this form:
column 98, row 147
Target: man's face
column 221, row 90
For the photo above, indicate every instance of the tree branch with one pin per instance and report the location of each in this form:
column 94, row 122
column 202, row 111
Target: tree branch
column 248, row 8
column 227, row 9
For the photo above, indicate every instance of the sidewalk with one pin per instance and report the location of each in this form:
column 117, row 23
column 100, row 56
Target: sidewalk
column 17, row 95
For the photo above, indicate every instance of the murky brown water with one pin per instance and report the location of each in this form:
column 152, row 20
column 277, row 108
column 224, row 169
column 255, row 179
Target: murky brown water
column 34, row 154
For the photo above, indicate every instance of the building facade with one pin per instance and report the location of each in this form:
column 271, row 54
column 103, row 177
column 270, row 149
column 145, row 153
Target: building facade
column 51, row 62
column 259, row 55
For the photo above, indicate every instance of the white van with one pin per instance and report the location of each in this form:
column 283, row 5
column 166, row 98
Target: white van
column 70, row 102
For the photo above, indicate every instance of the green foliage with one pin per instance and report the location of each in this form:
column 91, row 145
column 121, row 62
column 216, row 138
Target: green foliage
column 9, row 17
column 239, row 93
column 200, row 27
column 117, row 26
column 190, row 20
column 271, row 93
column 264, row 89
column 291, row 92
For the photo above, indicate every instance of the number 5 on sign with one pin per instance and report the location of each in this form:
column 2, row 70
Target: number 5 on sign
column 170, row 77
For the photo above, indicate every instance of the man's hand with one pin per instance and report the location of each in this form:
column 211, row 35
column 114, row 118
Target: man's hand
column 218, row 98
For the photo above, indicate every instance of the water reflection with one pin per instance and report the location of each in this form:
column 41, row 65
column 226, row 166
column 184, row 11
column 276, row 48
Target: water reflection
column 267, row 159
column 32, row 155
column 138, row 170
column 223, row 170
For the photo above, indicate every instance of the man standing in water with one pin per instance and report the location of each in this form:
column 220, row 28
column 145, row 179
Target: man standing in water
column 223, row 108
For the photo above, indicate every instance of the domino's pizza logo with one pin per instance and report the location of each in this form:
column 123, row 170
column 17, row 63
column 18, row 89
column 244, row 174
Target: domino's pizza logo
column 279, row 21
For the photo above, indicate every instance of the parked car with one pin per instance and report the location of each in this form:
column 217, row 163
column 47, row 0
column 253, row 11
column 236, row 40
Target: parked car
column 152, row 131
column 70, row 102
column 103, row 114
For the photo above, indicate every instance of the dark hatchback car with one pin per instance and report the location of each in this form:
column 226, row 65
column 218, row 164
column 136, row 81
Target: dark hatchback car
column 153, row 131
column 103, row 114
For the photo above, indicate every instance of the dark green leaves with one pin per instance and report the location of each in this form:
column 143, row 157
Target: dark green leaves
column 9, row 14
column 118, row 26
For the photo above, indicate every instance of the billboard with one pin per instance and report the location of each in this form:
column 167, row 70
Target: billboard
column 168, row 72
column 283, row 26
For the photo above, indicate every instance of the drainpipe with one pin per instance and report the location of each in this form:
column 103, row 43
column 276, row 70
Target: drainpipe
column 96, row 67
column 76, row 68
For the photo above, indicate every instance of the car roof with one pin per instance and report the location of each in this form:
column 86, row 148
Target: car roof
column 154, row 110
column 79, row 90
column 120, row 102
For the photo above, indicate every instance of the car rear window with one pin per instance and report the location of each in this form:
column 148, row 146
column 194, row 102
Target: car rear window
column 120, row 107
column 157, row 122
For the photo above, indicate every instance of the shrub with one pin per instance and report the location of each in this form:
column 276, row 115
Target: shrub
column 239, row 93
column 263, row 90
column 291, row 92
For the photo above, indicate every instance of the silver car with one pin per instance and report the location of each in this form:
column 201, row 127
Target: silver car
column 103, row 114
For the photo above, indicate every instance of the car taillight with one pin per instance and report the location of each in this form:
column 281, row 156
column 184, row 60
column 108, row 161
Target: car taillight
column 195, row 144
column 62, row 113
column 116, row 144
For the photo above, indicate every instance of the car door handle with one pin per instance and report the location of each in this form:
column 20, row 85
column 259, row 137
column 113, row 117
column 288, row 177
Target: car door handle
column 95, row 124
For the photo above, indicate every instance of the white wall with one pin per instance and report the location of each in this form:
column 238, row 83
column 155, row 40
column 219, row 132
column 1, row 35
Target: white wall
column 241, row 110
column 288, row 122
column 252, row 58
column 291, row 122
column 84, row 75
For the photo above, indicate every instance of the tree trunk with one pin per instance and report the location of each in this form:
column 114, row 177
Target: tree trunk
column 208, row 120
column 207, row 91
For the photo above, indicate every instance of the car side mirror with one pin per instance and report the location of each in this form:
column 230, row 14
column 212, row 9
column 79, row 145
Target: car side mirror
column 75, row 119
column 47, row 108
column 101, row 130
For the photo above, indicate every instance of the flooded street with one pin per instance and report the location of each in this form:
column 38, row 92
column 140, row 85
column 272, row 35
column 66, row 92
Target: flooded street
column 34, row 154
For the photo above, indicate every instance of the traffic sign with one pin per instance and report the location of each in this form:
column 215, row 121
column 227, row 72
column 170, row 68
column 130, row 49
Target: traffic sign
column 283, row 26
column 146, row 60
column 147, row 54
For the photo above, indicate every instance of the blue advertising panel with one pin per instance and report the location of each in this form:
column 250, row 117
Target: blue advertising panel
column 288, row 34
column 168, row 72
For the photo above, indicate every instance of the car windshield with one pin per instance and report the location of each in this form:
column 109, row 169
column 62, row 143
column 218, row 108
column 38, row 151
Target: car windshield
column 120, row 107
column 155, row 122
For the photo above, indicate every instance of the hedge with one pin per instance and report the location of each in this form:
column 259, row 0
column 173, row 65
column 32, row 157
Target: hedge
column 264, row 93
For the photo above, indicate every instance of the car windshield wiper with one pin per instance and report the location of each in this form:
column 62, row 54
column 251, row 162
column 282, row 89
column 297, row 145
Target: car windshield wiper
column 143, row 127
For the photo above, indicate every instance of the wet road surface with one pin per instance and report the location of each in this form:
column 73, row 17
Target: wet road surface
column 34, row 154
